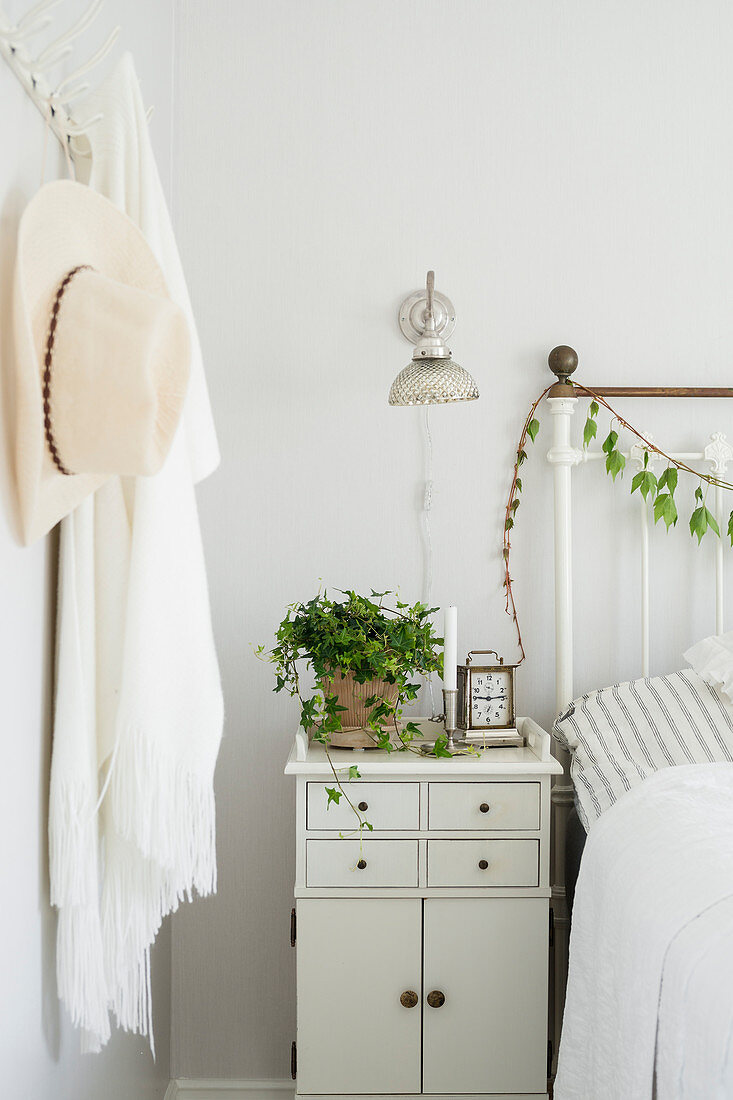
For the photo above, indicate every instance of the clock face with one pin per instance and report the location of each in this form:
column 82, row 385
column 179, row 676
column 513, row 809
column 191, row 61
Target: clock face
column 491, row 698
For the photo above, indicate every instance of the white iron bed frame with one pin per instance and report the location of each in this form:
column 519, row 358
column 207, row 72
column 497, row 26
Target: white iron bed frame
column 562, row 400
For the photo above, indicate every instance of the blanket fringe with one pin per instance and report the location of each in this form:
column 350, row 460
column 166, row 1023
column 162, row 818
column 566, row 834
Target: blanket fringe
column 80, row 972
column 159, row 848
column 167, row 810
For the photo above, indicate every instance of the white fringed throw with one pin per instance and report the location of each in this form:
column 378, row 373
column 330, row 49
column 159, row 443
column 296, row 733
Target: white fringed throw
column 139, row 710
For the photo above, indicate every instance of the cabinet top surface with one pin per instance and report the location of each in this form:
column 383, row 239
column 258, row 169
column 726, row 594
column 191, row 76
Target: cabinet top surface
column 533, row 758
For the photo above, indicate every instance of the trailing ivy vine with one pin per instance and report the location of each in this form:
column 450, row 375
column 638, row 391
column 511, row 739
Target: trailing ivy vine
column 530, row 430
column 658, row 491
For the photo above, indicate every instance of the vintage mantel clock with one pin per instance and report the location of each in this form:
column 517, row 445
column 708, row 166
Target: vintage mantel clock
column 486, row 701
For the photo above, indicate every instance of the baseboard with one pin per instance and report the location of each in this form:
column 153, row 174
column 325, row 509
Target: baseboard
column 221, row 1089
column 186, row 1088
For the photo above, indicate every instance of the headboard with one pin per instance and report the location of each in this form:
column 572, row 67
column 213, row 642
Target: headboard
column 563, row 398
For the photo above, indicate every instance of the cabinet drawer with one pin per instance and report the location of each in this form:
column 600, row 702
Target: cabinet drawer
column 458, row 806
column 335, row 863
column 388, row 806
column 460, row 862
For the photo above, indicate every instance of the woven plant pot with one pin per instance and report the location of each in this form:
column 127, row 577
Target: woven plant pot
column 355, row 733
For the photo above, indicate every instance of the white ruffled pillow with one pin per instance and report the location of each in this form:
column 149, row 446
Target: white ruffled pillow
column 712, row 660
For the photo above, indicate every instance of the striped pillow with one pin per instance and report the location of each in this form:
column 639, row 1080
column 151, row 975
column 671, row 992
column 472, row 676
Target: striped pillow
column 619, row 735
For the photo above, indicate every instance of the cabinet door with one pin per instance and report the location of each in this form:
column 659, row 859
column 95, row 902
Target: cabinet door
column 488, row 956
column 355, row 959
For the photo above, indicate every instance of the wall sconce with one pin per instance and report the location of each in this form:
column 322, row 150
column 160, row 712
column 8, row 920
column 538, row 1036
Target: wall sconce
column 432, row 378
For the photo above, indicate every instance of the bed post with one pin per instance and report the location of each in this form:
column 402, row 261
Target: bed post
column 562, row 457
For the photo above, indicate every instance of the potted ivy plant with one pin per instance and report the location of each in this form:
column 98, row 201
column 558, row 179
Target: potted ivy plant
column 364, row 654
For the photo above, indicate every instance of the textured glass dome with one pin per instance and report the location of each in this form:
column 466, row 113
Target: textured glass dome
column 432, row 382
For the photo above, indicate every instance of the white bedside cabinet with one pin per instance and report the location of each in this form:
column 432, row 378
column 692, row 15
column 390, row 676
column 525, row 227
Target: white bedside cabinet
column 422, row 960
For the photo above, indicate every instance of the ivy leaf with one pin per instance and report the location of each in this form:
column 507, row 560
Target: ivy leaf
column 354, row 773
column 590, row 431
column 515, row 504
column 333, row 796
column 615, row 463
column 666, row 509
column 518, row 484
column 646, row 481
column 440, row 746
column 668, row 479
column 521, row 457
column 593, row 410
column 509, row 524
column 698, row 524
column 609, row 443
column 730, row 528
column 309, row 713
column 533, row 428
column 702, row 519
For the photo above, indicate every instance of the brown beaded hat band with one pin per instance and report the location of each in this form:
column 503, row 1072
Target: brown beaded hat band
column 101, row 354
column 48, row 367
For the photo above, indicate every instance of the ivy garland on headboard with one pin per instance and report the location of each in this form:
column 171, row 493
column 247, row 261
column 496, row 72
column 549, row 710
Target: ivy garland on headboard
column 658, row 491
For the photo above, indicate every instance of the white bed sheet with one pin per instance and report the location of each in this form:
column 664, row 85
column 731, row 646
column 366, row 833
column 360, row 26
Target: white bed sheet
column 651, row 950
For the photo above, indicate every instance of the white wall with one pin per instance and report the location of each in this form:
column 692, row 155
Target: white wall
column 39, row 1052
column 566, row 169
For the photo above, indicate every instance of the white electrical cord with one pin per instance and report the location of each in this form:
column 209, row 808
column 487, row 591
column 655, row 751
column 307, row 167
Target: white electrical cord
column 428, row 535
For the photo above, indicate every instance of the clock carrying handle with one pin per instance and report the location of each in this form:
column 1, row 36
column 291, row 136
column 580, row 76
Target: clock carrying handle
column 484, row 651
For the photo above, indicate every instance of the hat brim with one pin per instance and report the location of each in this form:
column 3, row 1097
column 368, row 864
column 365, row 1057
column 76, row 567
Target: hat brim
column 66, row 224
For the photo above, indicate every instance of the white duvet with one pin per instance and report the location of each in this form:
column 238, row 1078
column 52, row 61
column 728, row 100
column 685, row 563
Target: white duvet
column 649, row 1009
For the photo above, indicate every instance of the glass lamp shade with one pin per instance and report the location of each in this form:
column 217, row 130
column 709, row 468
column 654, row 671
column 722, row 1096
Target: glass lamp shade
column 432, row 382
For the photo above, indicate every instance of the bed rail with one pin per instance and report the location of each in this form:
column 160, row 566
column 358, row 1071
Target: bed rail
column 716, row 456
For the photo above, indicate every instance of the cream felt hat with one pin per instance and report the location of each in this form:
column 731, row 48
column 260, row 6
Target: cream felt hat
column 102, row 354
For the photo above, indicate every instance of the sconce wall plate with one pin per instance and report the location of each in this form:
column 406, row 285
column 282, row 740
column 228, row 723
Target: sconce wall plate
column 414, row 313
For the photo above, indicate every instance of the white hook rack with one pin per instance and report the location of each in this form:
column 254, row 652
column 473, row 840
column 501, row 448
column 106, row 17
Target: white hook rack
column 32, row 73
column 62, row 46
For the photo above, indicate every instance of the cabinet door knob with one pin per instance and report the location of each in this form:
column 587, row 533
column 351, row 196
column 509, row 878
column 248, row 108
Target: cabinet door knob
column 484, row 807
column 483, row 864
column 361, row 864
column 363, row 806
column 436, row 998
column 409, row 998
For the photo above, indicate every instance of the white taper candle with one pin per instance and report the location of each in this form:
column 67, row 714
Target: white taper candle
column 450, row 650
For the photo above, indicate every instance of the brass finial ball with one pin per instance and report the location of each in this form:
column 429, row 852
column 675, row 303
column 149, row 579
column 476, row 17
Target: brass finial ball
column 562, row 361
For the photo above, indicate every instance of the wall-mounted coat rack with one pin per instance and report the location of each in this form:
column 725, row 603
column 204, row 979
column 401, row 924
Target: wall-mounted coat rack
column 32, row 69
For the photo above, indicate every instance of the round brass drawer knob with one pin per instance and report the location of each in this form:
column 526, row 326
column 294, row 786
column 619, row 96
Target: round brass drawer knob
column 361, row 864
column 484, row 807
column 436, row 998
column 363, row 806
column 483, row 864
column 409, row 998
